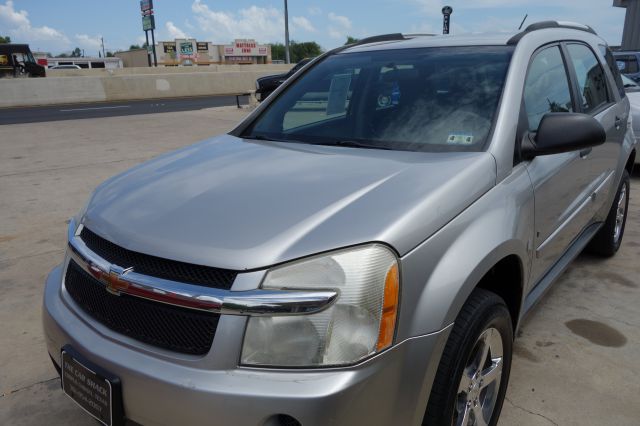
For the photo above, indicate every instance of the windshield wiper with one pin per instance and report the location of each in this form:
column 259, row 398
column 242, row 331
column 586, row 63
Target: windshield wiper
column 357, row 144
column 262, row 138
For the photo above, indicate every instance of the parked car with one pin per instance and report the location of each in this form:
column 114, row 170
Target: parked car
column 65, row 67
column 266, row 85
column 628, row 64
column 16, row 60
column 365, row 258
column 633, row 93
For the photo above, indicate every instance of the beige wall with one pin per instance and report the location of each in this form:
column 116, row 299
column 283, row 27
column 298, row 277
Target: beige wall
column 60, row 90
column 133, row 58
column 269, row 69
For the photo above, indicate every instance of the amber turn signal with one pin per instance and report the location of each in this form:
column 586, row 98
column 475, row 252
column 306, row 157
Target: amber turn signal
column 389, row 308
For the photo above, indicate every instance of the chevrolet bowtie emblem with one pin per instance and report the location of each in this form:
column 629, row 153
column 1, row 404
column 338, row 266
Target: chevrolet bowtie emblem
column 113, row 280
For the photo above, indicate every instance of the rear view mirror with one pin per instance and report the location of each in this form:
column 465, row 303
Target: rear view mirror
column 563, row 132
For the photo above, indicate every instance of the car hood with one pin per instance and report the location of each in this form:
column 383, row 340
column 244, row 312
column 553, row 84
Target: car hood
column 239, row 204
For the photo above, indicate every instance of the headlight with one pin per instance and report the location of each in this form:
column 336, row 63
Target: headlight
column 257, row 85
column 360, row 323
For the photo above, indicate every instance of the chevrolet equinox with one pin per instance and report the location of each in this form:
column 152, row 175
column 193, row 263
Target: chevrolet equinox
column 360, row 250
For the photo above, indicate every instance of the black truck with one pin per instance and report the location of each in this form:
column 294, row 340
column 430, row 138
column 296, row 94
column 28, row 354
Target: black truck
column 16, row 60
column 266, row 85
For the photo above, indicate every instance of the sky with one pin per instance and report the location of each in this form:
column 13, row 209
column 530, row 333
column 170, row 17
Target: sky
column 60, row 26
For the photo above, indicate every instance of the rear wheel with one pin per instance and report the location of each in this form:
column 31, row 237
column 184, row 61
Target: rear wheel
column 609, row 238
column 473, row 374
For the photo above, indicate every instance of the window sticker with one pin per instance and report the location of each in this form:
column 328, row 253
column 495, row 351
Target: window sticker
column 621, row 65
column 384, row 101
column 460, row 139
column 338, row 92
column 390, row 95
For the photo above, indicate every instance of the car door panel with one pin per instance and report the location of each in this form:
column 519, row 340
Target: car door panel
column 561, row 182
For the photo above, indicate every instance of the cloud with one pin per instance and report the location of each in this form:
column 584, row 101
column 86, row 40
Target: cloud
column 174, row 32
column 265, row 24
column 87, row 42
column 340, row 25
column 16, row 23
column 314, row 11
column 303, row 23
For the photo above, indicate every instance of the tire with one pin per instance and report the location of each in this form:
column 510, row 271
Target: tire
column 483, row 318
column 608, row 239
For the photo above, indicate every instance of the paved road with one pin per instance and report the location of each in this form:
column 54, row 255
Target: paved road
column 575, row 362
column 112, row 109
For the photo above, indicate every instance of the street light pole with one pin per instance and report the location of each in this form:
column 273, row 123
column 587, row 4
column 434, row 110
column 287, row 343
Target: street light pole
column 286, row 33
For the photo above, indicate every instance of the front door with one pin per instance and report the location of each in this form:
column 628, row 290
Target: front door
column 561, row 181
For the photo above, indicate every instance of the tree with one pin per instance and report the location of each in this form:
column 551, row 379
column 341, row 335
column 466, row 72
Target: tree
column 5, row 39
column 137, row 46
column 110, row 54
column 76, row 53
column 299, row 51
column 351, row 40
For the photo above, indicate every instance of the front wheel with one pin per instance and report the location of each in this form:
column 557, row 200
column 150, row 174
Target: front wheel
column 473, row 374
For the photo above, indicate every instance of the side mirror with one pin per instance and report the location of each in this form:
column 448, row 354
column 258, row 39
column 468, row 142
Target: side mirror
column 563, row 132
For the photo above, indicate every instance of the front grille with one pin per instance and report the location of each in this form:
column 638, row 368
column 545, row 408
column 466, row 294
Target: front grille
column 170, row 327
column 157, row 266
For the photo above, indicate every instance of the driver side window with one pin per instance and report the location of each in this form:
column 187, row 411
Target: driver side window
column 546, row 88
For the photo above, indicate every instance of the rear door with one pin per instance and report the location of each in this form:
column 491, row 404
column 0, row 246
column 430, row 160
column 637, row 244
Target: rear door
column 560, row 181
column 596, row 97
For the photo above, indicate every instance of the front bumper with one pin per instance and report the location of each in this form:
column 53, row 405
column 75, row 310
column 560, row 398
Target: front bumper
column 164, row 388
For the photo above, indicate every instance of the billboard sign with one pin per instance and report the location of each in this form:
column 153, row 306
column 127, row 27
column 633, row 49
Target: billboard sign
column 146, row 5
column 202, row 46
column 148, row 23
column 244, row 47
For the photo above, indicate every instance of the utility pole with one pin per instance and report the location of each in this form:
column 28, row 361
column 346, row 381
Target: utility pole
column 102, row 41
column 286, row 33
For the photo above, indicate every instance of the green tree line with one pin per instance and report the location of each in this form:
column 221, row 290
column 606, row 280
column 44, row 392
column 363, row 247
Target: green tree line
column 298, row 51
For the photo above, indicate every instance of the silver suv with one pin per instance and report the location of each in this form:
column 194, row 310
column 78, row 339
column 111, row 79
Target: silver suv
column 360, row 249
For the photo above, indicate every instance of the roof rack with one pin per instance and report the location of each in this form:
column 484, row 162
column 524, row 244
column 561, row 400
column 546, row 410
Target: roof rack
column 379, row 38
column 551, row 24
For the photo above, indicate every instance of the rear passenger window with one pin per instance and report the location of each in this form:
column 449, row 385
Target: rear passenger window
column 613, row 66
column 547, row 86
column 592, row 82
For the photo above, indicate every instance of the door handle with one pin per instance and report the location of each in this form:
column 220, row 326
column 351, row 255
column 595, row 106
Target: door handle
column 618, row 122
column 585, row 153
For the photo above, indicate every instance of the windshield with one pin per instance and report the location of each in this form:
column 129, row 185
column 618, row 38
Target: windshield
column 427, row 99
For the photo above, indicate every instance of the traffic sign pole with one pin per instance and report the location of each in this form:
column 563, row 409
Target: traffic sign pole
column 146, row 33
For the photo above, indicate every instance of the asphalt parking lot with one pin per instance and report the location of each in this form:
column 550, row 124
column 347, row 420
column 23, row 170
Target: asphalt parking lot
column 576, row 358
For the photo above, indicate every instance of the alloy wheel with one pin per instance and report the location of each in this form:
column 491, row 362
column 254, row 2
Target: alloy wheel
column 480, row 382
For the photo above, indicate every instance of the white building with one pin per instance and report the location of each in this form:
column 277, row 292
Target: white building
column 189, row 52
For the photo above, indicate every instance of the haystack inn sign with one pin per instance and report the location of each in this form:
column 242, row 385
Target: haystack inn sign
column 245, row 48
